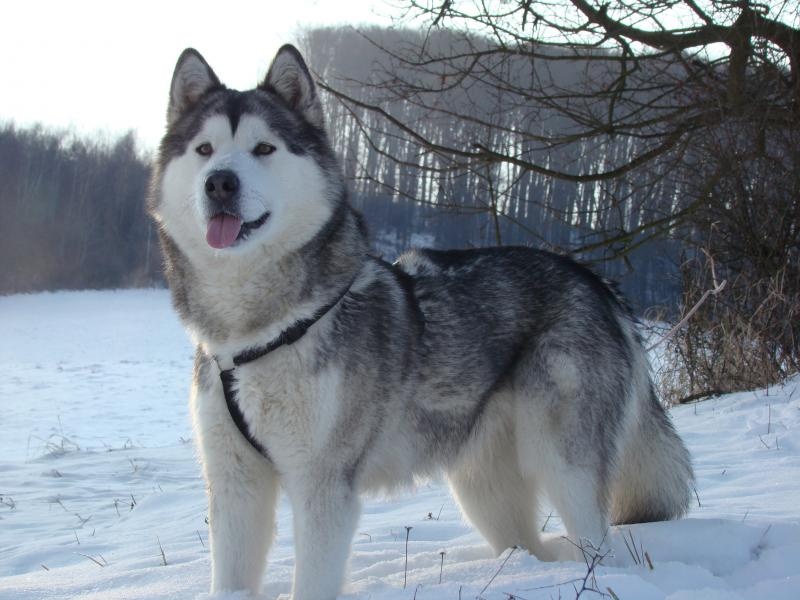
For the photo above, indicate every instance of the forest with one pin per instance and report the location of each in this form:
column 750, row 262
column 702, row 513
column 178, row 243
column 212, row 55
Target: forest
column 74, row 215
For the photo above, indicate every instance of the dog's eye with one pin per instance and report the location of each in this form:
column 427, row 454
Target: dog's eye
column 204, row 149
column 263, row 149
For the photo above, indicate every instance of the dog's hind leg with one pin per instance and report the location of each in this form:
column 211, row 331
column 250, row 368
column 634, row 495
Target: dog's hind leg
column 576, row 492
column 495, row 497
column 563, row 443
column 579, row 500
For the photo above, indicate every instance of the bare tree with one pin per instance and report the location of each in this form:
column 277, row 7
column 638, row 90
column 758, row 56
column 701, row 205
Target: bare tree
column 618, row 98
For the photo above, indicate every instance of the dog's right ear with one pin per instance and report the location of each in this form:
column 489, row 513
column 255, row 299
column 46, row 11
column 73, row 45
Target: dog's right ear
column 191, row 80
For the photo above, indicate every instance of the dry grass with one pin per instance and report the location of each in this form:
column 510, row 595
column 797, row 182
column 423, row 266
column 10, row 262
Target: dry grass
column 746, row 337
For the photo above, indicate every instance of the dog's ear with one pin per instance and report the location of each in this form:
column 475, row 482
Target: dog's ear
column 288, row 76
column 191, row 79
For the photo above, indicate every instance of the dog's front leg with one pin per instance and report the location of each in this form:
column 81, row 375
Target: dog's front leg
column 326, row 511
column 242, row 496
column 241, row 506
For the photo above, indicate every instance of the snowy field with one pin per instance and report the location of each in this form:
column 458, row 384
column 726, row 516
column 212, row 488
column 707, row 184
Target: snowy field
column 100, row 486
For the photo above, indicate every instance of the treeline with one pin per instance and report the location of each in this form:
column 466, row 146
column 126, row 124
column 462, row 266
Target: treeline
column 73, row 214
column 74, row 208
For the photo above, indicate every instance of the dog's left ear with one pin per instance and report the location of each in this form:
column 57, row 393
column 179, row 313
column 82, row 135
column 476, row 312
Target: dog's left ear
column 289, row 77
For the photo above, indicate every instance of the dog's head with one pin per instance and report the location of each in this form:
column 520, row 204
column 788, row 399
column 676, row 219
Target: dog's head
column 242, row 171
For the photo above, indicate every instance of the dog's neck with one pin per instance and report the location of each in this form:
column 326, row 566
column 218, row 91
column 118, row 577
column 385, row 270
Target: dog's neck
column 231, row 301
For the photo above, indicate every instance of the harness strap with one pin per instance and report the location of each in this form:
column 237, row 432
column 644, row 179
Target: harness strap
column 286, row 337
column 228, row 380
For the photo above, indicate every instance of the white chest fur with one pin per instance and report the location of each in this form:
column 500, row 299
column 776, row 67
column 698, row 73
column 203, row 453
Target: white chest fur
column 290, row 407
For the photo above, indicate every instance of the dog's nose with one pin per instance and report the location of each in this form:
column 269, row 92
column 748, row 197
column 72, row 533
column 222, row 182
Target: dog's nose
column 222, row 186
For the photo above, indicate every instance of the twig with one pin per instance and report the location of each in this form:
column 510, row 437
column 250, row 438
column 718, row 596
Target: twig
column 591, row 565
column 554, row 585
column 764, row 535
column 589, row 580
column 82, row 520
column 486, row 587
column 405, row 570
column 200, row 538
column 441, row 566
column 94, row 560
column 163, row 556
column 633, row 556
column 547, row 520
column 700, row 395
column 636, row 558
column 716, row 290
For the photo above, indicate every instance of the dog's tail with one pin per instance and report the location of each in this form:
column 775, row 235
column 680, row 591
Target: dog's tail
column 654, row 475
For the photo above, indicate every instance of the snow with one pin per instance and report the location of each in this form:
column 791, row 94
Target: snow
column 98, row 474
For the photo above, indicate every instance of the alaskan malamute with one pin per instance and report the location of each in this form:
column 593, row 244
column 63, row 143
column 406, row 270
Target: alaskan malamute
column 326, row 371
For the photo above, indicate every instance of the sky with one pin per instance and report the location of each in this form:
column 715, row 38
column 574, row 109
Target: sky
column 104, row 67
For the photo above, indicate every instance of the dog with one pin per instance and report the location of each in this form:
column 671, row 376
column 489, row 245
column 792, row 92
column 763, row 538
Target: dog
column 325, row 371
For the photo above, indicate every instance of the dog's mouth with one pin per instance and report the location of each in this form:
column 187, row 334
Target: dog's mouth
column 226, row 230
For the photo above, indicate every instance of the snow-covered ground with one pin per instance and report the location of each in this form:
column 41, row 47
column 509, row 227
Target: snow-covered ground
column 98, row 475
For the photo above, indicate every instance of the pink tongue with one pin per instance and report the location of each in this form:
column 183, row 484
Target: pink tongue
column 222, row 230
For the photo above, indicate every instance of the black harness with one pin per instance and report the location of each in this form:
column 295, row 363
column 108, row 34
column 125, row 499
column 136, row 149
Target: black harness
column 288, row 336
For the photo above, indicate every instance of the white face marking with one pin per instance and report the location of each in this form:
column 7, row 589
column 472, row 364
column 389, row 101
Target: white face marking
column 291, row 188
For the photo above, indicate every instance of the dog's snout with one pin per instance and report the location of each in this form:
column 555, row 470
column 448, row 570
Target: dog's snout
column 222, row 186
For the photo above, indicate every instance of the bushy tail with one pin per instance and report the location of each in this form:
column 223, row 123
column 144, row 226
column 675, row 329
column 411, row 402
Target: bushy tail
column 654, row 476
